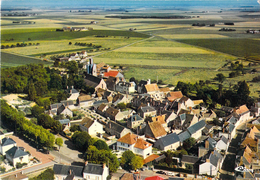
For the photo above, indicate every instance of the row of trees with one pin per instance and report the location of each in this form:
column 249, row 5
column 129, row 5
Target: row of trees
column 18, row 45
column 234, row 96
column 16, row 121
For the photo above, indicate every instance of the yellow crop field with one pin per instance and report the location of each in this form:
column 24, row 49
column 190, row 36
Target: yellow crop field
column 192, row 36
column 159, row 43
column 163, row 50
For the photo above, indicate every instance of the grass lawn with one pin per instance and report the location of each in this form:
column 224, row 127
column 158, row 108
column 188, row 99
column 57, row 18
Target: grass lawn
column 192, row 36
column 11, row 60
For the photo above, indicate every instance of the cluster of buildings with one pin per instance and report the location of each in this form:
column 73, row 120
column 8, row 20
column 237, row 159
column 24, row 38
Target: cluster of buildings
column 157, row 117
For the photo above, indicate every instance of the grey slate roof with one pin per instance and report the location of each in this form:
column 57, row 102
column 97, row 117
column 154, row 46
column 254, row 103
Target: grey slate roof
column 232, row 120
column 231, row 128
column 169, row 139
column 93, row 169
column 135, row 117
column 115, row 126
column 213, row 160
column 224, row 139
column 184, row 135
column 189, row 159
column 212, row 143
column 7, row 141
column 147, row 109
column 92, row 81
column 61, row 109
column 65, row 170
column 55, row 106
column 195, row 127
column 67, row 103
column 64, row 121
column 16, row 152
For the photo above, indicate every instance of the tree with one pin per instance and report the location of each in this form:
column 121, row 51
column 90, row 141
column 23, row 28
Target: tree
column 127, row 156
column 74, row 128
column 121, row 106
column 189, row 143
column 220, row 77
column 101, row 145
column 82, row 140
column 59, row 142
column 37, row 110
column 136, row 162
column 70, row 43
column 94, row 155
column 47, row 174
column 31, row 91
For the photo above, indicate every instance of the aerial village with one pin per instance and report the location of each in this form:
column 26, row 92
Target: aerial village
column 176, row 137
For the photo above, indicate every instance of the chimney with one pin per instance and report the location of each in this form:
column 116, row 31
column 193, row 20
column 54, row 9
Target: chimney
column 148, row 81
column 72, row 87
column 207, row 160
column 86, row 163
column 67, row 87
column 135, row 118
column 70, row 171
column 207, row 144
column 104, row 165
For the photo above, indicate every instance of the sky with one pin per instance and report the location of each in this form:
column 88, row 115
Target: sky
column 123, row 3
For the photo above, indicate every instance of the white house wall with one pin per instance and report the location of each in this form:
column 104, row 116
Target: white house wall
column 208, row 168
column 6, row 148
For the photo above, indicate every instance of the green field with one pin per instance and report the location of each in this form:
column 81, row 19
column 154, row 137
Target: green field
column 51, row 34
column 236, row 47
column 11, row 60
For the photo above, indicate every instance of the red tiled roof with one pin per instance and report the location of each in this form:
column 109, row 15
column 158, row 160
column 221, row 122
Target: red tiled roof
column 111, row 74
column 157, row 129
column 128, row 138
column 150, row 158
column 175, row 95
column 242, row 109
column 142, row 144
column 154, row 178
column 151, row 87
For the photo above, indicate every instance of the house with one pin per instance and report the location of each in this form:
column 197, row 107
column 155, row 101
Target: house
column 141, row 86
column 209, row 116
column 85, row 100
column 170, row 116
column 134, row 121
column 222, row 144
column 83, row 54
column 183, row 136
column 102, row 109
column 89, row 171
column 114, row 114
column 183, row 121
column 254, row 133
column 154, row 130
column 211, row 166
column 70, row 172
column 185, row 103
column 113, row 128
column 168, row 142
column 115, row 74
column 243, row 113
column 256, row 109
column 6, row 144
column 99, row 67
column 189, row 160
column 129, row 176
column 95, row 171
column 74, row 57
column 92, row 127
column 74, row 94
column 69, row 104
column 154, row 91
column 65, row 122
column 195, row 130
column 135, row 144
column 16, row 154
column 160, row 119
column 174, row 96
column 95, row 82
column 111, row 83
column 147, row 111
column 121, row 98
column 165, row 90
column 125, row 87
column 65, row 111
